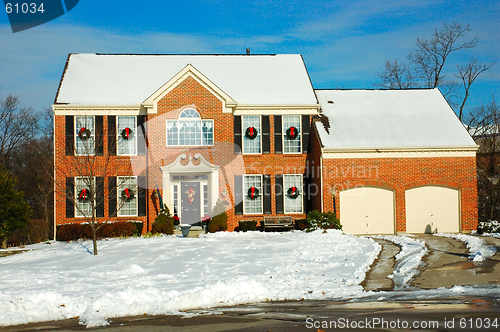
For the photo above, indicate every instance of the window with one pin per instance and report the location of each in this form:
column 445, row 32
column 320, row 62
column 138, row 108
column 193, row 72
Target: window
column 252, row 205
column 251, row 145
column 293, row 204
column 291, row 128
column 127, row 196
column 83, row 196
column 176, row 200
column 126, row 135
column 190, row 129
column 85, row 135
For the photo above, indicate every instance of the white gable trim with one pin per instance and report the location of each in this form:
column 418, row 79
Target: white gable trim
column 189, row 71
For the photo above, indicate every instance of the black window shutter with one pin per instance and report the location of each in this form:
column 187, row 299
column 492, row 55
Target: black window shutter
column 70, row 194
column 266, row 140
column 277, row 135
column 141, row 195
column 305, row 133
column 99, row 197
column 112, row 196
column 267, row 194
column 278, row 193
column 112, row 136
column 70, row 135
column 238, row 194
column 99, row 139
column 237, row 134
column 141, row 135
column 305, row 193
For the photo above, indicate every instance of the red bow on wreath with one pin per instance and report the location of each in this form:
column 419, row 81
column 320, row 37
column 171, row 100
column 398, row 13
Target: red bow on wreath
column 253, row 193
column 127, row 132
column 294, row 190
column 127, row 193
column 83, row 194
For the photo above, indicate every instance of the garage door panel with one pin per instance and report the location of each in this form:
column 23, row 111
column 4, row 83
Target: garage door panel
column 432, row 208
column 367, row 210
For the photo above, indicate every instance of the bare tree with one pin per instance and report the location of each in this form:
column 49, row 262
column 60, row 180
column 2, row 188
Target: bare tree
column 426, row 63
column 484, row 126
column 17, row 125
column 468, row 74
column 89, row 171
column 429, row 56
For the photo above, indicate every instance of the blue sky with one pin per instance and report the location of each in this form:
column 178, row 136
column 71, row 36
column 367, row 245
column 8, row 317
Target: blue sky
column 344, row 43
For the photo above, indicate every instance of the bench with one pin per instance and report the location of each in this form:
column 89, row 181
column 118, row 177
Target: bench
column 277, row 222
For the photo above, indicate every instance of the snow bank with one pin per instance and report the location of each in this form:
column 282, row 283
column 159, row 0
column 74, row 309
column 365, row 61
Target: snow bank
column 478, row 249
column 166, row 274
column 408, row 260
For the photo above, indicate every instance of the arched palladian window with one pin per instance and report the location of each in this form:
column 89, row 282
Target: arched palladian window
column 190, row 129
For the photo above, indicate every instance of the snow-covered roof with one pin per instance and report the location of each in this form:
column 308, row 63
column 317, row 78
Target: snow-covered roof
column 96, row 79
column 389, row 119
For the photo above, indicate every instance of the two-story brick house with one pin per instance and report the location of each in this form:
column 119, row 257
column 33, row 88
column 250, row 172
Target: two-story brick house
column 245, row 129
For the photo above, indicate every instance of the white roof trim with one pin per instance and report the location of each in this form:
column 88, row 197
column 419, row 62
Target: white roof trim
column 189, row 71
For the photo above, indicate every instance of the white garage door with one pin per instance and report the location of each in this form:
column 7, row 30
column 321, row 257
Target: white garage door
column 430, row 209
column 367, row 210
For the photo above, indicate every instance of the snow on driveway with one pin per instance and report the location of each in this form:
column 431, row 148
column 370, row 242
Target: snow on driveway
column 478, row 248
column 408, row 260
column 162, row 275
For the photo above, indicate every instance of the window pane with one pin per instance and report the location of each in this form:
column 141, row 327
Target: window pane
column 126, row 146
column 252, row 206
column 127, row 206
column 251, row 145
column 83, row 208
column 292, row 205
column 189, row 113
column 208, row 132
column 172, row 132
column 291, row 145
column 190, row 133
column 84, row 146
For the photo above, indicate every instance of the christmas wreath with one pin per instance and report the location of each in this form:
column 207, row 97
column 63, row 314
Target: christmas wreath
column 127, row 133
column 127, row 194
column 293, row 192
column 84, row 134
column 292, row 133
column 83, row 195
column 253, row 193
column 251, row 133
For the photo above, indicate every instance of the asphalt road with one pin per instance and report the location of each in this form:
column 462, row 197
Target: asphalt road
column 450, row 314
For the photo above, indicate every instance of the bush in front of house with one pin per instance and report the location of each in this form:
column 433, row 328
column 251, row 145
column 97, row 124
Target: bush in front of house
column 218, row 223
column 491, row 226
column 71, row 232
column 301, row 224
column 322, row 220
column 164, row 223
column 248, row 225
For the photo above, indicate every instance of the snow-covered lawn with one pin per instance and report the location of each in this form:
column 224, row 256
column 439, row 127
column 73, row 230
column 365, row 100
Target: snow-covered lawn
column 478, row 248
column 162, row 275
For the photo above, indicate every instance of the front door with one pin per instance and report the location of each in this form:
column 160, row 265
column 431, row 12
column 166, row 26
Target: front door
column 190, row 202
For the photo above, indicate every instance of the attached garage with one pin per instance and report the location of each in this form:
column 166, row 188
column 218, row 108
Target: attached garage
column 432, row 209
column 367, row 210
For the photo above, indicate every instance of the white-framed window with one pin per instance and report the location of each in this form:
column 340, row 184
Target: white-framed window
column 190, row 130
column 84, row 135
column 292, row 145
column 252, row 206
column 127, row 204
column 293, row 205
column 251, row 146
column 83, row 196
column 126, row 146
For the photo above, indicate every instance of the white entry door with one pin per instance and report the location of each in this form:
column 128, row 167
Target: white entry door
column 432, row 209
column 367, row 210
